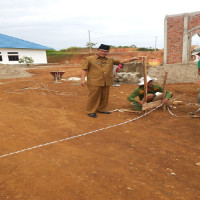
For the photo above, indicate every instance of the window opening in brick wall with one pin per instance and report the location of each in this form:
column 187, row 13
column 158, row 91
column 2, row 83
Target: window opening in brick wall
column 13, row 58
column 12, row 52
column 1, row 58
column 196, row 40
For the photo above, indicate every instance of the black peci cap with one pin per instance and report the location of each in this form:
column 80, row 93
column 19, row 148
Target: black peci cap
column 104, row 47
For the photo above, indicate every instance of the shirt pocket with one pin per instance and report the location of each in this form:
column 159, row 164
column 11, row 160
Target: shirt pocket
column 93, row 75
column 109, row 62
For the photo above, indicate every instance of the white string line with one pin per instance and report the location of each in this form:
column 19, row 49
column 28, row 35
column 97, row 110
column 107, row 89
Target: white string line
column 76, row 136
column 36, row 88
column 39, row 88
column 197, row 110
column 2, row 83
column 171, row 112
column 174, row 114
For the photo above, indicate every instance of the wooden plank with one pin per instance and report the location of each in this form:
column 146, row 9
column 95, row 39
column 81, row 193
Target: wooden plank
column 128, row 110
column 125, row 110
column 150, row 105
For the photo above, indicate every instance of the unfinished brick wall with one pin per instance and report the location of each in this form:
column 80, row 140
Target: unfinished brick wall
column 178, row 32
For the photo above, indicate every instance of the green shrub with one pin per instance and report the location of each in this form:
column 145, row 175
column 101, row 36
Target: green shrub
column 26, row 60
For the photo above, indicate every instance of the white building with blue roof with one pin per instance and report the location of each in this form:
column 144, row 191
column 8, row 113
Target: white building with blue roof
column 12, row 49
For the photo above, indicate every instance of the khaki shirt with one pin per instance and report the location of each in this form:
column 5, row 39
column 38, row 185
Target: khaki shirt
column 99, row 70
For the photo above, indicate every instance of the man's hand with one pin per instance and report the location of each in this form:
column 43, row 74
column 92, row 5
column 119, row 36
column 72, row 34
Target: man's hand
column 136, row 58
column 129, row 60
column 83, row 75
column 83, row 83
column 140, row 102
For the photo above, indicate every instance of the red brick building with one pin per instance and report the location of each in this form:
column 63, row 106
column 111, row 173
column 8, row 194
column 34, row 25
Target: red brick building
column 179, row 30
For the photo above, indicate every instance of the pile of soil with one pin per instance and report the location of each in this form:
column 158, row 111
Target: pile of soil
column 13, row 71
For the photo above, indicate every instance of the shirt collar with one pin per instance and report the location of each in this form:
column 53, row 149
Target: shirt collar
column 101, row 58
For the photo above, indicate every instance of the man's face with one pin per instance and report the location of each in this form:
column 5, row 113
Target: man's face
column 149, row 84
column 102, row 53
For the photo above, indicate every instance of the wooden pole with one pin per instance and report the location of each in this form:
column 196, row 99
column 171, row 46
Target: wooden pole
column 145, row 79
column 164, row 89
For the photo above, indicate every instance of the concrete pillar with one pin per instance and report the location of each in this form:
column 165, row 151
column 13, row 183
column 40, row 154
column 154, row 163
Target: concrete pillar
column 185, row 40
column 165, row 40
column 189, row 46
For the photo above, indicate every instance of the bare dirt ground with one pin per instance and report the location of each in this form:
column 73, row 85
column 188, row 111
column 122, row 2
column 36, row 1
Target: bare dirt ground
column 154, row 157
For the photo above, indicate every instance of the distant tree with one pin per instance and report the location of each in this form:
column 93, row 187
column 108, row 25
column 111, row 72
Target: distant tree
column 124, row 46
column 90, row 44
column 133, row 46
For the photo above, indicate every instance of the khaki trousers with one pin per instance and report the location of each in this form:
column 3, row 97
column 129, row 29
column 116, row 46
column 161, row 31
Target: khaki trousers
column 97, row 98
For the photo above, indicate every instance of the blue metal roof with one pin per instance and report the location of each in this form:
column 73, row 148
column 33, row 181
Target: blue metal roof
column 15, row 43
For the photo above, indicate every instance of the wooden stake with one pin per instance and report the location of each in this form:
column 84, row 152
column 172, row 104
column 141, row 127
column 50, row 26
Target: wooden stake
column 145, row 79
column 164, row 89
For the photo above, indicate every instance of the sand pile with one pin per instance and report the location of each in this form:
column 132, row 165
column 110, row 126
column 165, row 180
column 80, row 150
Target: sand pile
column 13, row 71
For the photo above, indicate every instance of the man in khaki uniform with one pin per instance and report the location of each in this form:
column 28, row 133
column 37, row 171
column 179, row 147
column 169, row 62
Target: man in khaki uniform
column 99, row 72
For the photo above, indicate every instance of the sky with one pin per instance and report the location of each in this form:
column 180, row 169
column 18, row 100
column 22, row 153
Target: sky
column 61, row 24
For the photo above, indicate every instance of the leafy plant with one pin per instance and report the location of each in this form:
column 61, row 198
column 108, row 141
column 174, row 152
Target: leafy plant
column 27, row 60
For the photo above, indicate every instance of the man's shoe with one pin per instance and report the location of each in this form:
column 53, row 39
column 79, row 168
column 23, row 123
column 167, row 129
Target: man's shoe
column 93, row 115
column 116, row 85
column 106, row 112
column 196, row 116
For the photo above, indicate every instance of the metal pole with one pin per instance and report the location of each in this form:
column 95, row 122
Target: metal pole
column 155, row 43
column 89, row 41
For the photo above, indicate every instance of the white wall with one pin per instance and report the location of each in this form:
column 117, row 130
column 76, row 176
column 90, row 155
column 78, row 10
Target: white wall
column 39, row 56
